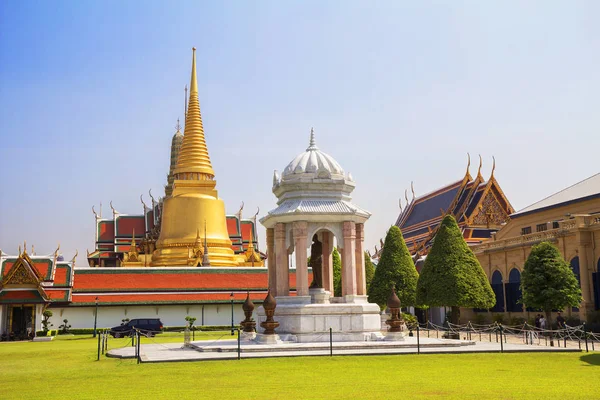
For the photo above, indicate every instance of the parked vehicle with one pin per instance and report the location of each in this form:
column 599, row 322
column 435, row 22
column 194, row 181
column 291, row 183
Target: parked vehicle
column 148, row 326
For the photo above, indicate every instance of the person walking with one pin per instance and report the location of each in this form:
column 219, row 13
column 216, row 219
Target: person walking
column 537, row 321
column 542, row 323
column 560, row 321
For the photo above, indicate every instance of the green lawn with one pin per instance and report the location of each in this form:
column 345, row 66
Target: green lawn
column 67, row 368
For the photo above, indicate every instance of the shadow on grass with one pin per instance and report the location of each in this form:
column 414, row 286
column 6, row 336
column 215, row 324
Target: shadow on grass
column 591, row 359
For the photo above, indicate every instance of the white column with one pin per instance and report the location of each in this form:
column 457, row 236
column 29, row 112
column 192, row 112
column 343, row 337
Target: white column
column 282, row 279
column 271, row 260
column 361, row 283
column 300, row 232
column 349, row 260
column 327, row 261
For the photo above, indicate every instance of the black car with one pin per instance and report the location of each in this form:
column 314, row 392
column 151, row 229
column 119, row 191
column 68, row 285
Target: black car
column 148, row 326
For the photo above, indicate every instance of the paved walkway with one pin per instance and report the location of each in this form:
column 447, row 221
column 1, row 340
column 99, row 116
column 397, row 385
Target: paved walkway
column 227, row 349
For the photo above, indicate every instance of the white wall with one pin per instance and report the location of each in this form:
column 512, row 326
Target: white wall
column 170, row 315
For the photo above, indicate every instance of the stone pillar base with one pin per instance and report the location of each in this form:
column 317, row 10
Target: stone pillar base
column 319, row 296
column 261, row 338
column 247, row 335
column 356, row 299
column 394, row 336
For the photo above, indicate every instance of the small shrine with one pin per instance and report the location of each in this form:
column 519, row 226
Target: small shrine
column 315, row 209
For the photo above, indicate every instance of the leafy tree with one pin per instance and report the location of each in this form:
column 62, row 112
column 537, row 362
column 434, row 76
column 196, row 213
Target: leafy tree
column 547, row 281
column 395, row 268
column 46, row 321
column 369, row 269
column 452, row 275
column 337, row 273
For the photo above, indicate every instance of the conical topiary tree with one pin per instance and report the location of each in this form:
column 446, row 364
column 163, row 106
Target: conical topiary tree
column 337, row 273
column 547, row 281
column 395, row 268
column 369, row 269
column 452, row 275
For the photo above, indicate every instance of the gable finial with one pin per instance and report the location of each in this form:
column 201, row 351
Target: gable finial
column 468, row 163
column 493, row 167
column 115, row 212
column 94, row 211
column 412, row 189
column 406, row 196
column 480, row 164
column 239, row 213
column 400, row 204
column 74, row 257
column 144, row 204
column 24, row 246
column 100, row 213
column 255, row 215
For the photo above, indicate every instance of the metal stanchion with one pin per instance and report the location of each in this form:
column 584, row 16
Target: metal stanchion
column 330, row 342
column 98, row 359
column 418, row 341
column 501, row 341
column 139, row 356
column 239, row 344
column 586, row 338
column 103, row 339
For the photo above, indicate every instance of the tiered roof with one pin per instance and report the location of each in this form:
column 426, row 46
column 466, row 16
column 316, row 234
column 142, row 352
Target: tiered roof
column 480, row 208
column 128, row 286
column 35, row 279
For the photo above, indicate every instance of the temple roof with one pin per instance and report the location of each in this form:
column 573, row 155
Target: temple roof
column 586, row 189
column 317, row 206
column 169, row 286
column 35, row 279
column 479, row 206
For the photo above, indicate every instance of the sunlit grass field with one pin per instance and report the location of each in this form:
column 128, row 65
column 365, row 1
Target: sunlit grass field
column 67, row 368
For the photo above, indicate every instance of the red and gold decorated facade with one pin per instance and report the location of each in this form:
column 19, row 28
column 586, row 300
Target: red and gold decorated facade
column 479, row 206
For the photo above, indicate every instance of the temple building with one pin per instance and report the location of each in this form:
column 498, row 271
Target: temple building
column 569, row 219
column 187, row 227
column 479, row 206
column 182, row 255
column 29, row 284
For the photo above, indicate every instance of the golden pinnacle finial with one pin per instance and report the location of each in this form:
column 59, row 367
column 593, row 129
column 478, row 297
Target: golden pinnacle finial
column 468, row 163
column 493, row 167
column 480, row 164
column 178, row 126
column 193, row 162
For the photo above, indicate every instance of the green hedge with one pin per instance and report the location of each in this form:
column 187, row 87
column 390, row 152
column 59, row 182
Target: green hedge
column 206, row 328
column 90, row 331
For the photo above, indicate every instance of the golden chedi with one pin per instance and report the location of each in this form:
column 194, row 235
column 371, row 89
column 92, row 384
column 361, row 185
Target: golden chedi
column 194, row 205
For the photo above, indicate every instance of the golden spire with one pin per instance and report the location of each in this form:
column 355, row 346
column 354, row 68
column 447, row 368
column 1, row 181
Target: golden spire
column 194, row 162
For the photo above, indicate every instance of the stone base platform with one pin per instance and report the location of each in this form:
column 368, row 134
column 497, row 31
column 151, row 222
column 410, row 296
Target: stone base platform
column 301, row 321
column 227, row 349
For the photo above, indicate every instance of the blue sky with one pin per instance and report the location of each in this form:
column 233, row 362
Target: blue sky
column 396, row 91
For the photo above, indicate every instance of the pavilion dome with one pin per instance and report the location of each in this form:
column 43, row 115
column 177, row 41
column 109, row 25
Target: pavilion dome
column 313, row 162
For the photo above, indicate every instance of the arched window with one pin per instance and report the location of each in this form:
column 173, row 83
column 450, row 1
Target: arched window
column 575, row 269
column 513, row 291
column 596, row 283
column 497, row 288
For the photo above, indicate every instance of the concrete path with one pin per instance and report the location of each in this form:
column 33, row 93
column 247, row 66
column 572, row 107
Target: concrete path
column 227, row 349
